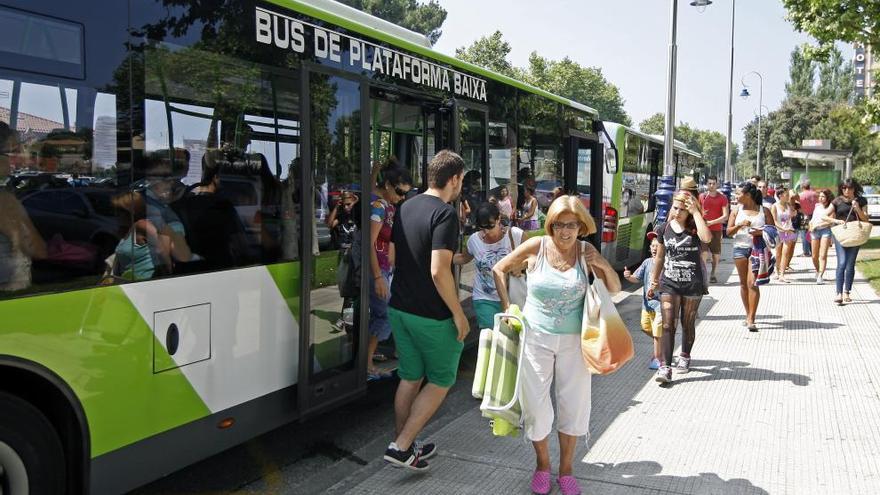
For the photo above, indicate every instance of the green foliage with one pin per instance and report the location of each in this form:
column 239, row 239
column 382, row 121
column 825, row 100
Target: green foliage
column 582, row 84
column 835, row 76
column 564, row 77
column 424, row 18
column 848, row 21
column 835, row 79
column 801, row 75
column 490, row 52
column 655, row 124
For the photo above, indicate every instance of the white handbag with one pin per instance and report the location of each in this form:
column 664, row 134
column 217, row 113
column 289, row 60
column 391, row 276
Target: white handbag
column 517, row 289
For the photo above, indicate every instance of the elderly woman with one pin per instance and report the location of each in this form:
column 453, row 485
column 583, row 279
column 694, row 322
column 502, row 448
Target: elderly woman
column 683, row 282
column 557, row 285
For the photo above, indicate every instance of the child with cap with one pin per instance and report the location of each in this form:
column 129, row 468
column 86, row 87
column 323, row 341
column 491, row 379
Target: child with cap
column 652, row 317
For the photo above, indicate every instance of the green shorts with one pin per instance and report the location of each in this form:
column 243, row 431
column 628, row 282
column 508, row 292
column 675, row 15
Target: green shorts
column 426, row 348
column 486, row 311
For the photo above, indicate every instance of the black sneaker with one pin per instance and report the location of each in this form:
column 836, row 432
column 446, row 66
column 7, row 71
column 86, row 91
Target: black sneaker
column 425, row 450
column 408, row 458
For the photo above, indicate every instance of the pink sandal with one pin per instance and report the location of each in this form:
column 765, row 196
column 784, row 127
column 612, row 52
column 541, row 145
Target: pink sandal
column 541, row 482
column 569, row 485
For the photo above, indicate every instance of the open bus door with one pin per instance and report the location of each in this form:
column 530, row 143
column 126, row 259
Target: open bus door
column 583, row 176
column 336, row 165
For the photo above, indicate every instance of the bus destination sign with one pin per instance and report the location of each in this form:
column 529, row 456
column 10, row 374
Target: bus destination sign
column 288, row 33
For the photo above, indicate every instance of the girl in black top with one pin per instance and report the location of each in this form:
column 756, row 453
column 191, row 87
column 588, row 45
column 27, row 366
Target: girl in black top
column 682, row 283
column 849, row 206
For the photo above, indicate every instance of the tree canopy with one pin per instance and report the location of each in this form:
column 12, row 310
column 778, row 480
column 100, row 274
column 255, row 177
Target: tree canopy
column 424, row 18
column 490, row 52
column 564, row 77
column 848, row 21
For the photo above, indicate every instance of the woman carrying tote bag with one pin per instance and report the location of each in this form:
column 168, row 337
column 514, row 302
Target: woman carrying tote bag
column 849, row 216
column 557, row 286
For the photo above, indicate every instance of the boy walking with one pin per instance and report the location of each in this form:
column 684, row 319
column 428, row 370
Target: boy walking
column 427, row 320
column 652, row 317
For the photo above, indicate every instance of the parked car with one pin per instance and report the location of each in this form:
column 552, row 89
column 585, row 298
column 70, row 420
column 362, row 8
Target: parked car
column 83, row 215
column 873, row 207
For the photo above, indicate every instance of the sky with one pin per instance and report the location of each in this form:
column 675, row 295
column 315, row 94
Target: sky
column 629, row 39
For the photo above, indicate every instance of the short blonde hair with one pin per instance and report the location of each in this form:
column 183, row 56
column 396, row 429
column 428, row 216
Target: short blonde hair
column 570, row 204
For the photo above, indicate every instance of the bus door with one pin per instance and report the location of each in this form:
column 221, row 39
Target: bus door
column 333, row 308
column 471, row 141
column 583, row 174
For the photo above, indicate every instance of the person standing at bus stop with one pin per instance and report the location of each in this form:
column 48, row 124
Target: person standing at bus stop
column 427, row 319
column 715, row 209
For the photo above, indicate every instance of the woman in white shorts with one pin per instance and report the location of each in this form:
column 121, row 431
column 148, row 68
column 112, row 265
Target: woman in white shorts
column 554, row 307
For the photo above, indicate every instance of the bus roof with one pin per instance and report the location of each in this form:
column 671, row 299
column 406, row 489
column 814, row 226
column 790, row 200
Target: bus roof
column 368, row 25
column 655, row 138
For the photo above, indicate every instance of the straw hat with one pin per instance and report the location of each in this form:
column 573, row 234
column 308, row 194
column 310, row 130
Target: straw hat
column 688, row 183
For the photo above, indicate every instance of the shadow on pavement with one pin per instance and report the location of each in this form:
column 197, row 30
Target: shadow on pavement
column 739, row 317
column 735, row 370
column 796, row 324
column 645, row 474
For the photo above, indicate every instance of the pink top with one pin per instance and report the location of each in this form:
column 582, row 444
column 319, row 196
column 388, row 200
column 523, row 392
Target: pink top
column 505, row 207
column 808, row 199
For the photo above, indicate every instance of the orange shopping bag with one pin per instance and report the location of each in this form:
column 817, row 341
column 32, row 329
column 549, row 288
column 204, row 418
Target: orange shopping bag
column 605, row 341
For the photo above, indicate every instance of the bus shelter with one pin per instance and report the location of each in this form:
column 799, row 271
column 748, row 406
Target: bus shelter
column 825, row 168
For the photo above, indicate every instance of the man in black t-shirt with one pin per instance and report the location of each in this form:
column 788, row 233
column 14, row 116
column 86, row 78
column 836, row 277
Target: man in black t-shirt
column 428, row 322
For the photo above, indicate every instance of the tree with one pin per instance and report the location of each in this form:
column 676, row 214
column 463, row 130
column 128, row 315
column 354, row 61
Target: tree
column 784, row 128
column 655, row 124
column 849, row 21
column 565, row 77
column 424, row 18
column 490, row 52
column 586, row 85
column 835, row 79
column 801, row 72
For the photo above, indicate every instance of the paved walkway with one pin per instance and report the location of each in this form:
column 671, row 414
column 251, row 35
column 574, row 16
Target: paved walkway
column 793, row 409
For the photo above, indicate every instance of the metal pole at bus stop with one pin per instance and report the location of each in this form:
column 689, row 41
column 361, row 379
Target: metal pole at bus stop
column 728, row 148
column 669, row 127
column 667, row 182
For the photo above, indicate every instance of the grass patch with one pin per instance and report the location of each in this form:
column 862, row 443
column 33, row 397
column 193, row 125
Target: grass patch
column 870, row 250
column 871, row 270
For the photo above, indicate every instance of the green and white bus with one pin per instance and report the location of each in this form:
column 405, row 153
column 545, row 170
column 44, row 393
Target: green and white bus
column 628, row 187
column 167, row 285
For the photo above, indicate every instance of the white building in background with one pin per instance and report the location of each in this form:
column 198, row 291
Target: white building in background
column 104, row 152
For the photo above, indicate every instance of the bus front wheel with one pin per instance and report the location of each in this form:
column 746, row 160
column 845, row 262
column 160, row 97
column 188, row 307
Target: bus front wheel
column 31, row 455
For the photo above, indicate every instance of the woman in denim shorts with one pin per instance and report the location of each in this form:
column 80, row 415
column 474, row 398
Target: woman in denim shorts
column 820, row 229
column 745, row 223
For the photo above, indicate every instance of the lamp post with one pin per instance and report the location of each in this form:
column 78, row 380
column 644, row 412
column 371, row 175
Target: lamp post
column 667, row 182
column 728, row 147
column 745, row 94
column 669, row 127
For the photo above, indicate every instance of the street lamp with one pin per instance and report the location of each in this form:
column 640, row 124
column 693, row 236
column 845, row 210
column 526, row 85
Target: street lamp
column 669, row 127
column 667, row 184
column 745, row 94
column 728, row 146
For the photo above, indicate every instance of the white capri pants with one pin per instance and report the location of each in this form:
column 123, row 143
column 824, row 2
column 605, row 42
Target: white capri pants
column 547, row 356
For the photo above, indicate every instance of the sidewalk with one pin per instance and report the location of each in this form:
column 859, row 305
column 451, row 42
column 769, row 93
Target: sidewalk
column 792, row 409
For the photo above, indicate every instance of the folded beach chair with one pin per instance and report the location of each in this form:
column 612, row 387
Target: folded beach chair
column 497, row 377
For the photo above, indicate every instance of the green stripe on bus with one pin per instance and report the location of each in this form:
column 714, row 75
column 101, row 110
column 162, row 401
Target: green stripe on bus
column 101, row 346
